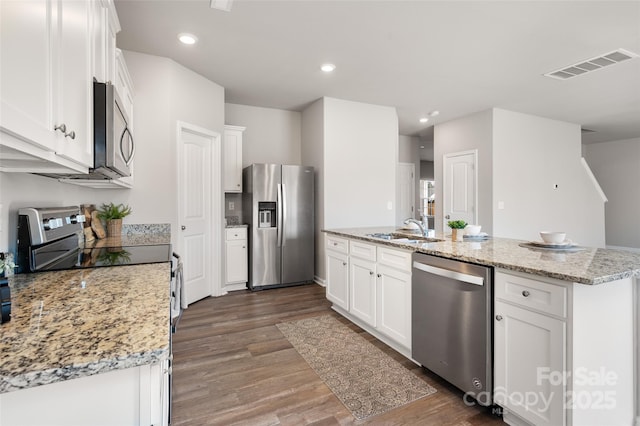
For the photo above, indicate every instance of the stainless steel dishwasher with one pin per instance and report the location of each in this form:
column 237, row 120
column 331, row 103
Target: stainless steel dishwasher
column 451, row 305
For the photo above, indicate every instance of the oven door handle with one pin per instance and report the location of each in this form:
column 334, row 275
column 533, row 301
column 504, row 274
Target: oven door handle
column 459, row 276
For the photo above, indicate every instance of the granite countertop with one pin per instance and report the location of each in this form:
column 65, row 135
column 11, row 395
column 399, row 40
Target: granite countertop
column 128, row 240
column 584, row 266
column 69, row 324
column 241, row 225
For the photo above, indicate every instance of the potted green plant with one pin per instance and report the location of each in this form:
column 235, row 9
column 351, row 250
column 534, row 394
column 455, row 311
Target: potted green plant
column 112, row 214
column 457, row 227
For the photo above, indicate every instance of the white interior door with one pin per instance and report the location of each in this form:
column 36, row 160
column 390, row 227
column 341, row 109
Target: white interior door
column 406, row 192
column 198, row 209
column 459, row 188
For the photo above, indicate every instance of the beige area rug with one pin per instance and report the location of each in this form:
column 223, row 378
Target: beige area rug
column 365, row 379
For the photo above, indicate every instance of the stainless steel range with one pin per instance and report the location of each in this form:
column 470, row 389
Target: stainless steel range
column 51, row 238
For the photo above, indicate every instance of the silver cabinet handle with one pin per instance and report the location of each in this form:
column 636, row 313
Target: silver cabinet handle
column 525, row 293
column 447, row 217
column 370, row 272
column 183, row 227
column 71, row 134
column 335, row 244
column 344, row 263
column 62, row 128
column 499, row 317
column 379, row 275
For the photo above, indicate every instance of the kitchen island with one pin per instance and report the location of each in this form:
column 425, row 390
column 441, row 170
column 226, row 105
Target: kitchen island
column 87, row 346
column 585, row 265
column 565, row 322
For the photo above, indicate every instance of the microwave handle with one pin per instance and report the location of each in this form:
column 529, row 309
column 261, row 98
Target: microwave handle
column 127, row 161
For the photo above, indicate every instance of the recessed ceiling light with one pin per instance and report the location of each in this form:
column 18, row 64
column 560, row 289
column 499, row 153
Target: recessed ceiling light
column 434, row 113
column 187, row 38
column 424, row 119
column 327, row 67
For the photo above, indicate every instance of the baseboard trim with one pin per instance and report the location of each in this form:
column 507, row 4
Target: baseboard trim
column 319, row 281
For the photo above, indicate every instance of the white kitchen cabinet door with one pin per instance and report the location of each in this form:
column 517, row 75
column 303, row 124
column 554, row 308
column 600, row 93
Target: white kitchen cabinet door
column 338, row 278
column 394, row 304
column 529, row 359
column 362, row 281
column 73, row 83
column 237, row 261
column 26, row 61
column 233, row 158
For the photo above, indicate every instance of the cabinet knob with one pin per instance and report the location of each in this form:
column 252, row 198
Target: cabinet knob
column 238, row 185
column 62, row 128
column 499, row 317
column 370, row 272
column 525, row 293
column 244, row 247
column 183, row 227
column 71, row 134
column 335, row 244
column 344, row 263
column 379, row 275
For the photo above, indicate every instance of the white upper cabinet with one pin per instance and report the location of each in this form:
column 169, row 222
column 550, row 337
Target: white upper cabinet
column 233, row 158
column 50, row 50
column 72, row 77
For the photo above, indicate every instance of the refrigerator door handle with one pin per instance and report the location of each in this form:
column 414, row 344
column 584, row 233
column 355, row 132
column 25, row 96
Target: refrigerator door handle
column 279, row 216
column 283, row 214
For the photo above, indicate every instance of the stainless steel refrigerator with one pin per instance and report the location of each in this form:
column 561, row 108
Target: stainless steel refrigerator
column 277, row 204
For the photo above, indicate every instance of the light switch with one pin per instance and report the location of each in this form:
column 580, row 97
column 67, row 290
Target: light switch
column 500, row 205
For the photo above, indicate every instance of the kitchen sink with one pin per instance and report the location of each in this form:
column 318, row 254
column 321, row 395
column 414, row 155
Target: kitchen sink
column 404, row 238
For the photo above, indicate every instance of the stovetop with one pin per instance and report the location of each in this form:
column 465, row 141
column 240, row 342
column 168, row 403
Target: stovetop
column 112, row 256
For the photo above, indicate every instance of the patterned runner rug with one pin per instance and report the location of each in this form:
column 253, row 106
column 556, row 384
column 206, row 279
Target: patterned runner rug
column 365, row 379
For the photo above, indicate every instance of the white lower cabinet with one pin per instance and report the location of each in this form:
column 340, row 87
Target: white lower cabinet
column 563, row 351
column 394, row 308
column 362, row 281
column 375, row 293
column 337, row 264
column 237, row 259
column 527, row 346
column 133, row 396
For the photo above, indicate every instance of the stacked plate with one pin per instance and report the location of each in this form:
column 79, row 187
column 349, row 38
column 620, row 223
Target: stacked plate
column 566, row 244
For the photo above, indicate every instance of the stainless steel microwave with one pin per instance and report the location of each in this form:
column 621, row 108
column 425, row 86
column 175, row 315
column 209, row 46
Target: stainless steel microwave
column 113, row 147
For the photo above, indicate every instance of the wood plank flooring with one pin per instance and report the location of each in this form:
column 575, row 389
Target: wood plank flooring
column 232, row 366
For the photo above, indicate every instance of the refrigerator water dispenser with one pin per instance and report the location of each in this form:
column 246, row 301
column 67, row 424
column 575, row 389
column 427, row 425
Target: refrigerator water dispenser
column 266, row 214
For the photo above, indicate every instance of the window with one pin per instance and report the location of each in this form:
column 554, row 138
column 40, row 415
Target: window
column 427, row 198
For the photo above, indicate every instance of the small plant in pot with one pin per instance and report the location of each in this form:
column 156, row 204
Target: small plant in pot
column 457, row 229
column 113, row 214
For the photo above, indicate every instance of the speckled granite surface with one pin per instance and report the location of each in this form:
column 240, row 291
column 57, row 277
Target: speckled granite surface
column 243, row 225
column 146, row 228
column 61, row 329
column 586, row 266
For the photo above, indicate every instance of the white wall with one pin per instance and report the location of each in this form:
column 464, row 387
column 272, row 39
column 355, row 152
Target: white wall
column 361, row 152
column 616, row 165
column 530, row 155
column 473, row 132
column 272, row 135
column 164, row 92
column 354, row 148
column 312, row 151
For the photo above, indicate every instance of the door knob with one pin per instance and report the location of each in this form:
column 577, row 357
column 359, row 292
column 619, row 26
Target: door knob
column 183, row 227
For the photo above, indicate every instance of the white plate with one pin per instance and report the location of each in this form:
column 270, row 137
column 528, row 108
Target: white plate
column 565, row 243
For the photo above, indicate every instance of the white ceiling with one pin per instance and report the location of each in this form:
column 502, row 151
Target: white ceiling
column 418, row 56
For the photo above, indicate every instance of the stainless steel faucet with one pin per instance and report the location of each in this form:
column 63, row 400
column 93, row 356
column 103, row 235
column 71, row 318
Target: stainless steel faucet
column 417, row 222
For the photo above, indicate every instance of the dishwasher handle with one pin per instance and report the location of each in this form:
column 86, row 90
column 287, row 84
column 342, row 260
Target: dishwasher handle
column 470, row 279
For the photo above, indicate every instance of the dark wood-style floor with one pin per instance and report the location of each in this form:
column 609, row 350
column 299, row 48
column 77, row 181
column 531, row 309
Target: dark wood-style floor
column 232, row 366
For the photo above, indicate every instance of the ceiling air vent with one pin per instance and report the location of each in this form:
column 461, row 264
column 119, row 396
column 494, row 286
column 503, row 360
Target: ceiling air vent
column 592, row 64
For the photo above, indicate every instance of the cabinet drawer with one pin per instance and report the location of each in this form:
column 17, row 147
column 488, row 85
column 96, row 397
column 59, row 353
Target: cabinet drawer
column 236, row 234
column 399, row 259
column 534, row 294
column 362, row 250
column 337, row 244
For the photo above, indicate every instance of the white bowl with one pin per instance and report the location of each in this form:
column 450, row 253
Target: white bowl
column 472, row 229
column 553, row 237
